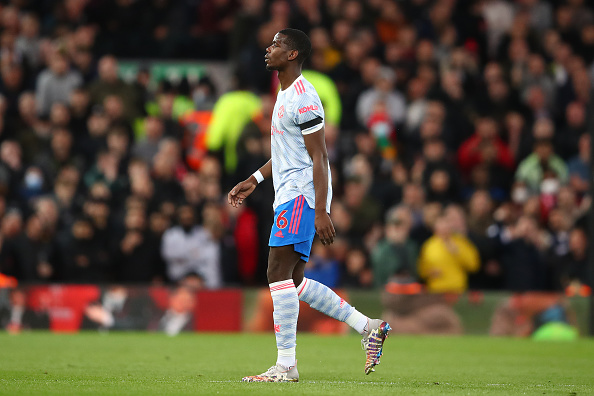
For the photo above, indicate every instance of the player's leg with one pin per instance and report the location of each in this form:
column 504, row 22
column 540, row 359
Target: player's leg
column 323, row 299
column 281, row 262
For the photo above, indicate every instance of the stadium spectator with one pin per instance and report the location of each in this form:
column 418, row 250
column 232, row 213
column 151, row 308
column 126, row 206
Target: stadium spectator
column 83, row 258
column 363, row 208
column 11, row 84
column 543, row 163
column 105, row 171
column 109, row 84
column 166, row 171
column 147, row 148
column 446, row 258
column 231, row 113
column 579, row 166
column 27, row 44
column 55, row 84
column 136, row 258
column 521, row 256
column 576, row 125
column 526, row 65
column 65, row 194
column 485, row 147
column 28, row 129
column 28, row 254
column 572, row 266
column 488, row 276
column 60, row 155
column 396, row 254
column 437, row 165
column 423, row 230
column 97, row 210
column 381, row 97
column 357, row 270
column 12, row 165
column 188, row 247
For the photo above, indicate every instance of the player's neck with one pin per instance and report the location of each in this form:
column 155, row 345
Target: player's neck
column 288, row 77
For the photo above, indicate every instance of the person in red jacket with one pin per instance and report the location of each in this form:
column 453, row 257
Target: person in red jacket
column 485, row 147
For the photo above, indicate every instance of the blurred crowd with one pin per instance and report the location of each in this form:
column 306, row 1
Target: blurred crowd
column 457, row 134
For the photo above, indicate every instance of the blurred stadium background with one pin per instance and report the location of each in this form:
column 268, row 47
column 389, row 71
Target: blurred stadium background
column 123, row 124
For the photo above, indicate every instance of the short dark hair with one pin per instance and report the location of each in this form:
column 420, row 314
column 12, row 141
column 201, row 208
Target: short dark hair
column 297, row 40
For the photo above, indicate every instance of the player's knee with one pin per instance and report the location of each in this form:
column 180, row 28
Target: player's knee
column 274, row 273
column 277, row 270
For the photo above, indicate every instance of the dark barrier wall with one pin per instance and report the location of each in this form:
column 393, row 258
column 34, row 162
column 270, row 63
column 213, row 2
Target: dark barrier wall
column 70, row 308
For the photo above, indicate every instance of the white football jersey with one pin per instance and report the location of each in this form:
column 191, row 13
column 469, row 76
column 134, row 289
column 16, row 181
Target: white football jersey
column 298, row 111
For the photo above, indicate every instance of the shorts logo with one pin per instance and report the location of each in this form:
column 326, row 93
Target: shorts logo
column 279, row 234
column 277, row 328
column 281, row 221
column 342, row 302
column 281, row 111
column 307, row 108
column 296, row 215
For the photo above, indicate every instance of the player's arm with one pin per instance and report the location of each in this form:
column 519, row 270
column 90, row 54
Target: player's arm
column 316, row 147
column 243, row 189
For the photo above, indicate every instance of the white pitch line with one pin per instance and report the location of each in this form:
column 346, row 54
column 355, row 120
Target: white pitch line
column 324, row 382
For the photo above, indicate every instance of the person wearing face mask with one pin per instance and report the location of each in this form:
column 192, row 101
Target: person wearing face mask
column 204, row 94
column 549, row 188
column 33, row 183
column 541, row 163
column 188, row 247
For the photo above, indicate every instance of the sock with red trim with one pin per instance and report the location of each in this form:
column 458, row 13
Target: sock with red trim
column 286, row 312
column 322, row 298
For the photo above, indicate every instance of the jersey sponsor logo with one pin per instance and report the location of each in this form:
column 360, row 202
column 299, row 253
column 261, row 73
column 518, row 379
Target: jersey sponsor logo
column 281, row 111
column 281, row 220
column 307, row 108
column 273, row 130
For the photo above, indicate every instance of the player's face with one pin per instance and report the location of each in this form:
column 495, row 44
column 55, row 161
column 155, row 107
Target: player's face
column 277, row 54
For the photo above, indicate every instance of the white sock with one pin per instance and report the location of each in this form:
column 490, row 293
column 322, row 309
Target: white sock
column 286, row 357
column 286, row 312
column 358, row 321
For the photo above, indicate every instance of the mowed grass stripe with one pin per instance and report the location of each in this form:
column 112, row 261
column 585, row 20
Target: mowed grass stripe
column 196, row 364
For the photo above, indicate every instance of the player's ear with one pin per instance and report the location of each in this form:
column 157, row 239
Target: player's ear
column 293, row 55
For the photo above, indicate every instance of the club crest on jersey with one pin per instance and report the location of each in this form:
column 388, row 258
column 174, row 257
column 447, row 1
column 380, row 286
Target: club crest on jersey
column 281, row 111
column 307, row 108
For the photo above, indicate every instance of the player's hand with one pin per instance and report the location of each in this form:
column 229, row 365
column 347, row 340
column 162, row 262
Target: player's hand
column 325, row 228
column 241, row 191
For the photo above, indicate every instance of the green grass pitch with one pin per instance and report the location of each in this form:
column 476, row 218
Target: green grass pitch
column 201, row 364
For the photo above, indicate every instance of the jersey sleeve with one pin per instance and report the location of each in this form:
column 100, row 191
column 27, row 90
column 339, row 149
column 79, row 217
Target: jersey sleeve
column 309, row 113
